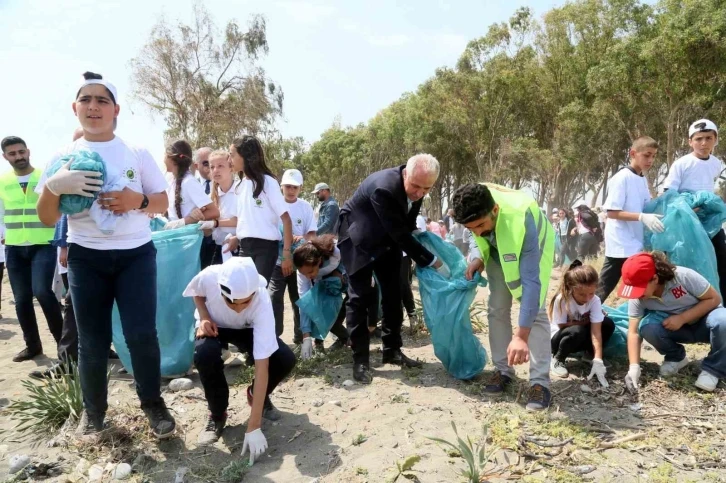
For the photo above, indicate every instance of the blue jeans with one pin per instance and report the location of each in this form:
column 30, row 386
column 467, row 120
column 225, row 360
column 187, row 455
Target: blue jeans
column 97, row 278
column 30, row 269
column 710, row 329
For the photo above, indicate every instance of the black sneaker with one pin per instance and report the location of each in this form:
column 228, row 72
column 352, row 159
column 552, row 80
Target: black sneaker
column 498, row 383
column 88, row 426
column 160, row 420
column 27, row 354
column 362, row 373
column 213, row 429
column 539, row 398
column 398, row 358
column 55, row 371
column 319, row 346
column 269, row 411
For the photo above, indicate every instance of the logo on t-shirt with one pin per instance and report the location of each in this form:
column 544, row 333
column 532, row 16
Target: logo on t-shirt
column 299, row 221
column 130, row 173
column 678, row 291
column 258, row 202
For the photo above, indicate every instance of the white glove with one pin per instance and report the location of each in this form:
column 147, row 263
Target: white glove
column 307, row 348
column 173, row 225
column 598, row 369
column 416, row 232
column 632, row 378
column 256, row 443
column 206, row 225
column 652, row 222
column 67, row 182
column 444, row 270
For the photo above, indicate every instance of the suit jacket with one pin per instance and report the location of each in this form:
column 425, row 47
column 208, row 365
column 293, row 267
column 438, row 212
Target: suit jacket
column 376, row 219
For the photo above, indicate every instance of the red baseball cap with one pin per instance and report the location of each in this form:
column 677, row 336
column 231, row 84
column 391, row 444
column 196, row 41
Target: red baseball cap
column 637, row 272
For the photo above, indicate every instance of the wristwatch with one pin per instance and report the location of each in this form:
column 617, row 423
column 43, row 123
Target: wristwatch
column 144, row 203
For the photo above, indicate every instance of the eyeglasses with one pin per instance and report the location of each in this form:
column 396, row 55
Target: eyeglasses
column 205, row 164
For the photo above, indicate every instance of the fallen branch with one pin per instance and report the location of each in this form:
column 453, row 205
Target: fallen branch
column 678, row 415
column 672, row 461
column 546, row 444
column 616, row 442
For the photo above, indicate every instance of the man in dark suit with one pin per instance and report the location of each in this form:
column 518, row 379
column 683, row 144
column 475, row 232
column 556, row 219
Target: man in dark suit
column 375, row 226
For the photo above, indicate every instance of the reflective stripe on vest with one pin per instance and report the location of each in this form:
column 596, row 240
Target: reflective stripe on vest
column 513, row 207
column 21, row 215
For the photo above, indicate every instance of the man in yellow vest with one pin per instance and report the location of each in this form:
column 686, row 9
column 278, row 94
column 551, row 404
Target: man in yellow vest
column 513, row 240
column 30, row 258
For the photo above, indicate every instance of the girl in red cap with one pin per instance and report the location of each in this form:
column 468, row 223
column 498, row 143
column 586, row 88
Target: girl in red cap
column 671, row 306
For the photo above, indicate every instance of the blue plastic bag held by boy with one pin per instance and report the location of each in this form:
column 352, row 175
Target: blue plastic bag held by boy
column 80, row 161
column 685, row 240
column 446, row 309
column 322, row 305
column 177, row 262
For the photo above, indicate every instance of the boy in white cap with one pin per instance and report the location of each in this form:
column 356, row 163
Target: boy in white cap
column 233, row 307
column 303, row 226
column 699, row 170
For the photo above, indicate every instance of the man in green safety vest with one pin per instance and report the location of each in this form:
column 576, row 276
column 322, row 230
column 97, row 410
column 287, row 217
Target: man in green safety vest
column 513, row 240
column 30, row 258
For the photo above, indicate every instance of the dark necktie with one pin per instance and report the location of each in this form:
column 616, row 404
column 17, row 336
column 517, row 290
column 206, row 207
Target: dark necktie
column 206, row 186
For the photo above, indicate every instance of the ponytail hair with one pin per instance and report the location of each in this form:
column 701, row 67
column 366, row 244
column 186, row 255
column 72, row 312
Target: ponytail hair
column 180, row 153
column 577, row 274
column 665, row 270
column 253, row 162
column 314, row 251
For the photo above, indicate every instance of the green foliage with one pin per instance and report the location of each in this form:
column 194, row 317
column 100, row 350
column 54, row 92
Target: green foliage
column 48, row 405
column 235, row 471
column 359, row 439
column 474, row 453
column 551, row 105
column 404, row 469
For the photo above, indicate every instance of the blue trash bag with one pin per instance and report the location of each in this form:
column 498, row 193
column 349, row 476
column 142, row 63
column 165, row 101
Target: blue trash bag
column 322, row 305
column 617, row 346
column 82, row 161
column 684, row 241
column 446, row 310
column 711, row 210
column 177, row 262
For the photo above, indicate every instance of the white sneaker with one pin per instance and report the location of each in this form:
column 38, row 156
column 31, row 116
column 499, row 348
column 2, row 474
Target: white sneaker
column 226, row 354
column 706, row 381
column 559, row 369
column 669, row 368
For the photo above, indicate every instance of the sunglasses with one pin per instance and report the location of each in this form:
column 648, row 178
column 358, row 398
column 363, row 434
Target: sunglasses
column 205, row 164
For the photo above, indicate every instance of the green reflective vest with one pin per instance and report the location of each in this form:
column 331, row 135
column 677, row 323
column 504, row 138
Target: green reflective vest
column 509, row 233
column 22, row 224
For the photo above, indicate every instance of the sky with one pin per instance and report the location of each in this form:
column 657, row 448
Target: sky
column 333, row 59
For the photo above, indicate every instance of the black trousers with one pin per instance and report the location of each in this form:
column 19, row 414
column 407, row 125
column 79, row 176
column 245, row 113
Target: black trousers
column 68, row 344
column 387, row 269
column 406, row 291
column 374, row 302
column 277, row 287
column 206, row 252
column 263, row 253
column 609, row 276
column 719, row 246
column 209, row 363
column 577, row 338
column 587, row 246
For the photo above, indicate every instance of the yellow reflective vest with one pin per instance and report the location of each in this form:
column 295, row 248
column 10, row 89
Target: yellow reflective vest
column 22, row 224
column 509, row 234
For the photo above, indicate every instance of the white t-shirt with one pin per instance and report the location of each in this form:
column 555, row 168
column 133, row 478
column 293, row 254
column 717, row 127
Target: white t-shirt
column 689, row 173
column 192, row 193
column 626, row 192
column 591, row 311
column 260, row 217
column 258, row 316
column 302, row 216
column 143, row 176
column 2, row 237
column 227, row 210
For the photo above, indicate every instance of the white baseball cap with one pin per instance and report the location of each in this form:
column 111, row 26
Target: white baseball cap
column 700, row 126
column 239, row 278
column 292, row 177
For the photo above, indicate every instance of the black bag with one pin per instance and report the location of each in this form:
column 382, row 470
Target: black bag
column 590, row 221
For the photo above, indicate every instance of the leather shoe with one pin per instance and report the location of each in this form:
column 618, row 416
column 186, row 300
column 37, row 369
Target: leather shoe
column 55, row 371
column 362, row 374
column 27, row 354
column 398, row 358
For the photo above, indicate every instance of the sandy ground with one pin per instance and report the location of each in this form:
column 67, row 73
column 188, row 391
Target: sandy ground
column 335, row 433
